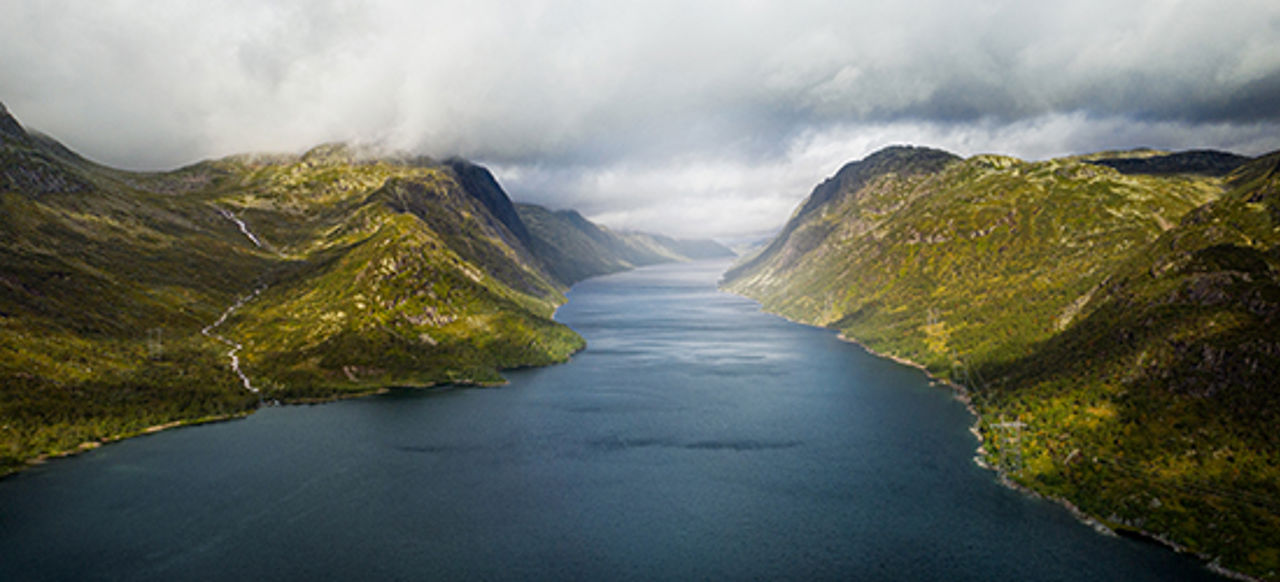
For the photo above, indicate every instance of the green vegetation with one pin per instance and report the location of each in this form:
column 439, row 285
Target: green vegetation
column 1128, row 319
column 372, row 272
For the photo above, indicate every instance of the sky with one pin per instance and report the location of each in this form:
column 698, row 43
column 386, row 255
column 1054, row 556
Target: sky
column 686, row 118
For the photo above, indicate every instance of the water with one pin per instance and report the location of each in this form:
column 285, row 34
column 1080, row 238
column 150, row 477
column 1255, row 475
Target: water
column 695, row 438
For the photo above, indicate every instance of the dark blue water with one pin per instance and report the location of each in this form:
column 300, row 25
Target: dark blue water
column 695, row 438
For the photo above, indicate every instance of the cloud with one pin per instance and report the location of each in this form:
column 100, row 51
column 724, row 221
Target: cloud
column 741, row 197
column 636, row 112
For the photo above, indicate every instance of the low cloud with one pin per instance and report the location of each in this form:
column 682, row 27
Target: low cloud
column 745, row 197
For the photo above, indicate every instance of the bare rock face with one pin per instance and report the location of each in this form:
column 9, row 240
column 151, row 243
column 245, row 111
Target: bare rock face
column 36, row 179
column 24, row 167
column 10, row 129
column 480, row 183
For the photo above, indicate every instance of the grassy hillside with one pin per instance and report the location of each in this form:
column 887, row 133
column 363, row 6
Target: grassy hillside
column 387, row 274
column 361, row 272
column 1126, row 319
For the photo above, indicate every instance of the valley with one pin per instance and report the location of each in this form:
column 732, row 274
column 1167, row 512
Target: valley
column 845, row 290
column 1110, row 318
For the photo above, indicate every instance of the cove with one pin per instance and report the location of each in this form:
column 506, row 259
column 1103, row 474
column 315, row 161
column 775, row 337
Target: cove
column 695, row 437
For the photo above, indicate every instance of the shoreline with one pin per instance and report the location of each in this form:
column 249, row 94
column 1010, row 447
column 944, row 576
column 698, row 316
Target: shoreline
column 961, row 394
column 87, row 446
column 461, row 384
column 91, row 445
column 1098, row 524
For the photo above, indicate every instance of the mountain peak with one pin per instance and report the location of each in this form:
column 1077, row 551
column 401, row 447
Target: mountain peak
column 899, row 159
column 479, row 182
column 904, row 160
column 907, row 158
column 330, row 153
column 10, row 129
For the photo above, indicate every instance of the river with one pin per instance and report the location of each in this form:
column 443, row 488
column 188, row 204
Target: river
column 696, row 437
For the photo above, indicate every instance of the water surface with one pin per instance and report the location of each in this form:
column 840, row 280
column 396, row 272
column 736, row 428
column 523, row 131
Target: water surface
column 694, row 438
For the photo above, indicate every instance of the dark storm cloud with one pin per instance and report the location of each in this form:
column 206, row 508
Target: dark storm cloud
column 1255, row 101
column 677, row 116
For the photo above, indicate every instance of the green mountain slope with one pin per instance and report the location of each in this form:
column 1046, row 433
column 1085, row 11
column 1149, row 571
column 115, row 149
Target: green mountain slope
column 1127, row 320
column 123, row 294
column 387, row 273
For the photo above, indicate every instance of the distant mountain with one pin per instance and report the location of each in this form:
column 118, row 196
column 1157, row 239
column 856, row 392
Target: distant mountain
column 1124, row 312
column 1205, row 162
column 576, row 248
column 677, row 248
column 748, row 248
column 337, row 272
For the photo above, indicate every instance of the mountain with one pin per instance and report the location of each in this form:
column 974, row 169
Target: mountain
column 10, row 129
column 1207, row 162
column 676, row 248
column 1114, row 324
column 130, row 300
column 576, row 248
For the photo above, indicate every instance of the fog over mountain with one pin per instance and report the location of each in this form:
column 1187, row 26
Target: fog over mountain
column 711, row 118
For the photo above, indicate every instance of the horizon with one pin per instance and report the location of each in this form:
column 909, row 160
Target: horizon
column 703, row 121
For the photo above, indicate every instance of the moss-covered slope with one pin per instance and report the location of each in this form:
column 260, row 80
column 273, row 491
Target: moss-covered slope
column 1127, row 319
